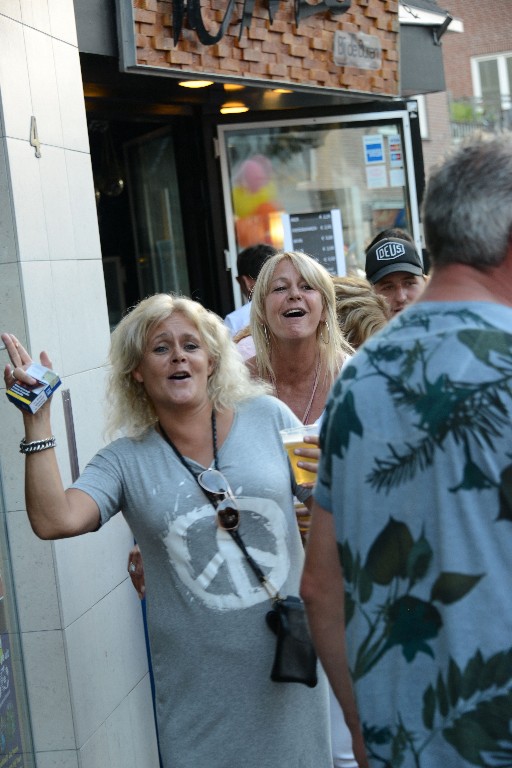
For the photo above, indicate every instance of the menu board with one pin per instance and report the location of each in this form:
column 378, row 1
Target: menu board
column 319, row 234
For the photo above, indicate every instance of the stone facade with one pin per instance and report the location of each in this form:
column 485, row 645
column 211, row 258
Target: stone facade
column 73, row 610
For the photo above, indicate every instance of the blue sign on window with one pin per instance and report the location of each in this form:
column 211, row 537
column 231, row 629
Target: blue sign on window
column 373, row 149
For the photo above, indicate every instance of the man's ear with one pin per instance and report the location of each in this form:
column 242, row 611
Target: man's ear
column 246, row 283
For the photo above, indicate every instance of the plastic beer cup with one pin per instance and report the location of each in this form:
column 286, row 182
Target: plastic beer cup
column 294, row 438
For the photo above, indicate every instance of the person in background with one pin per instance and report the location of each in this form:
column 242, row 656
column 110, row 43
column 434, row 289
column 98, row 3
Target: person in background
column 248, row 265
column 361, row 312
column 244, row 343
column 396, row 232
column 299, row 351
column 299, row 347
column 414, row 497
column 196, row 425
column 395, row 269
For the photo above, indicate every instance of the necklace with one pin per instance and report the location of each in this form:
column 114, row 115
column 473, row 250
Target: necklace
column 305, row 417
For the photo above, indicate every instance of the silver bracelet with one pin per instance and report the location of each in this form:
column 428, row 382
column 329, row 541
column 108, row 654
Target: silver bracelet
column 37, row 445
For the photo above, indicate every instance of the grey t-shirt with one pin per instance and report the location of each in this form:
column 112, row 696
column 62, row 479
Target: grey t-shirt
column 210, row 647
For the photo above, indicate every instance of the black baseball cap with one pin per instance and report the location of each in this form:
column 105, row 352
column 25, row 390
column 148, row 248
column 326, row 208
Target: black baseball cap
column 392, row 255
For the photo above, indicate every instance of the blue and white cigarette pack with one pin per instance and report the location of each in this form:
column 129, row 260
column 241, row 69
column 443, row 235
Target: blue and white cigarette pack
column 32, row 398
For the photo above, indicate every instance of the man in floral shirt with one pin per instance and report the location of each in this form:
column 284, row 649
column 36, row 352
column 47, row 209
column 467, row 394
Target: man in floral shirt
column 414, row 497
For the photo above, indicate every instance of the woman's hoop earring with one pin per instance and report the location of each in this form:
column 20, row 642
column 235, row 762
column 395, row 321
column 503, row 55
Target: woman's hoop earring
column 325, row 341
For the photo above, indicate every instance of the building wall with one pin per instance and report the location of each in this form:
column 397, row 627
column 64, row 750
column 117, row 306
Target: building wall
column 437, row 141
column 79, row 618
column 277, row 51
column 487, row 30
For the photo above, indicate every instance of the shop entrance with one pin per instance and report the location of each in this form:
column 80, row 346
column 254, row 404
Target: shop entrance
column 139, row 213
column 153, row 211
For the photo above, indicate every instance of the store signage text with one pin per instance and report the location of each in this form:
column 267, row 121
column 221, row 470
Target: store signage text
column 355, row 49
column 195, row 20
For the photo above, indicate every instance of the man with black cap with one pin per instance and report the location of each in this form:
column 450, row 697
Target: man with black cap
column 395, row 269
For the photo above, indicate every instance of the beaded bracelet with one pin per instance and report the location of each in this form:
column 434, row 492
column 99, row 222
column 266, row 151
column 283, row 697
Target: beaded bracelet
column 37, row 445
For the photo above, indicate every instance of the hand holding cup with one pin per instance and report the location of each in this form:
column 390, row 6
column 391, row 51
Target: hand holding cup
column 299, row 443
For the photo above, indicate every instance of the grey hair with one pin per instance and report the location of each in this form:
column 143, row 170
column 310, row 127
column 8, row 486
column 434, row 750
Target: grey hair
column 130, row 409
column 332, row 353
column 467, row 210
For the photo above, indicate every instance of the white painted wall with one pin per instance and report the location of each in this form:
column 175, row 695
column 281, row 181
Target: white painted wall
column 79, row 617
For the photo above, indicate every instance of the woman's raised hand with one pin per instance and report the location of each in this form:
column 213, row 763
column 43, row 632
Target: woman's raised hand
column 20, row 361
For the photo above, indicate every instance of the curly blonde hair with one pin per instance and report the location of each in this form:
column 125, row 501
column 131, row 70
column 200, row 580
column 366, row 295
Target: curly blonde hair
column 130, row 409
column 331, row 352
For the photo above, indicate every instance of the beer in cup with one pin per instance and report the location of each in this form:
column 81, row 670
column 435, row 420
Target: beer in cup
column 294, row 438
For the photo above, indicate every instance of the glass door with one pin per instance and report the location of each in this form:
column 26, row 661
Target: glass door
column 325, row 186
column 156, row 214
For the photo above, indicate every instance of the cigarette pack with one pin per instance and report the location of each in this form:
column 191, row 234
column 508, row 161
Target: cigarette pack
column 32, row 398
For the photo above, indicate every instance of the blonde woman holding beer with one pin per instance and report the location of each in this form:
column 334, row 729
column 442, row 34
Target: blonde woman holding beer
column 195, row 426
column 300, row 351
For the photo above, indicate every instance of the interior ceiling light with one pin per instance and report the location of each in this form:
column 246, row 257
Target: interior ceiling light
column 283, row 90
column 233, row 108
column 195, row 83
column 233, row 87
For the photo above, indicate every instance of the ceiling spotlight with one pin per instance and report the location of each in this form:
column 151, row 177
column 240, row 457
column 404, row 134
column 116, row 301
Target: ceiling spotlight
column 233, row 108
column 282, row 90
column 195, row 83
column 233, row 87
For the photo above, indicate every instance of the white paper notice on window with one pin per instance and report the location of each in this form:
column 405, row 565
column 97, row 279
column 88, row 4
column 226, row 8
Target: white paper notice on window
column 397, row 177
column 376, row 176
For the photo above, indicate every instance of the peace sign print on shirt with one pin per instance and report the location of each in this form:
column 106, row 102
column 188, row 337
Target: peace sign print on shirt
column 212, row 566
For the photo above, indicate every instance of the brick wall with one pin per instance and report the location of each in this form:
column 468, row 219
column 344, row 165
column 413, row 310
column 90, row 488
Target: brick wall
column 277, row 52
column 438, row 141
column 487, row 30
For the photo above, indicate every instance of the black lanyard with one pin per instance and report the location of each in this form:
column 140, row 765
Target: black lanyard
column 185, row 462
column 211, row 498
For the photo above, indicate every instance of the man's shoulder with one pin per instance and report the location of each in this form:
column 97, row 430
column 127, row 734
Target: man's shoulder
column 480, row 314
column 439, row 320
column 239, row 318
column 438, row 336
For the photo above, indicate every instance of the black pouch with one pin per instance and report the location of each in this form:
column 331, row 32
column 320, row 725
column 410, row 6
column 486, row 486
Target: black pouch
column 295, row 658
